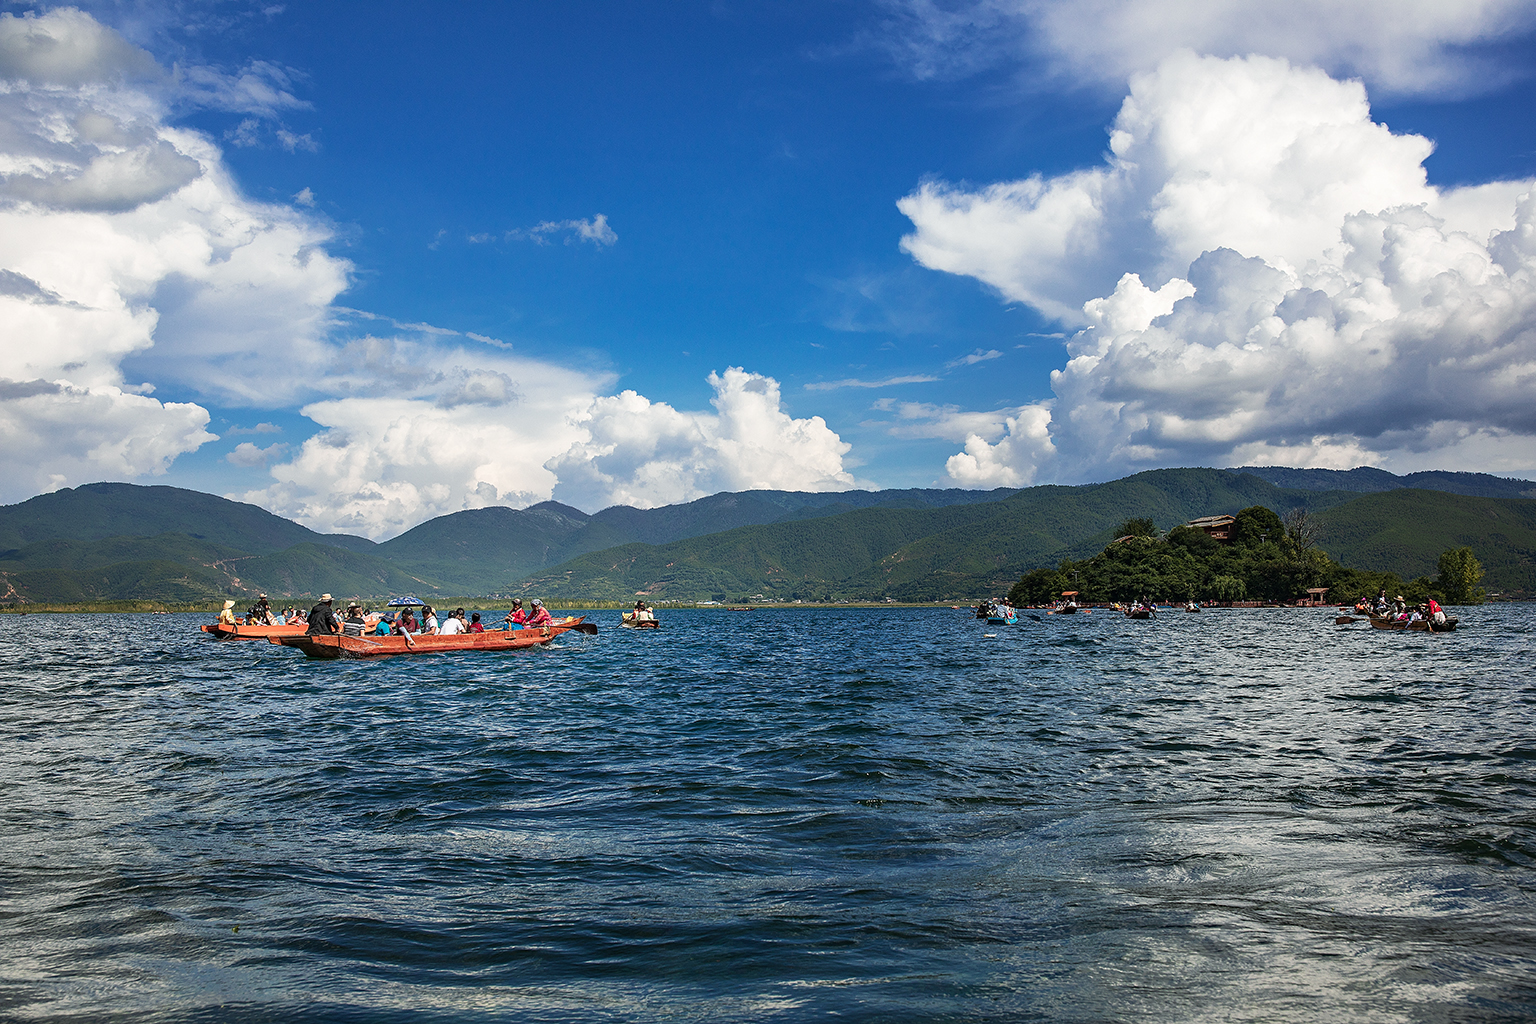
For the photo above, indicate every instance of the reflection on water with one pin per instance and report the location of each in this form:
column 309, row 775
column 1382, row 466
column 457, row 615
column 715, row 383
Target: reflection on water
column 1240, row 815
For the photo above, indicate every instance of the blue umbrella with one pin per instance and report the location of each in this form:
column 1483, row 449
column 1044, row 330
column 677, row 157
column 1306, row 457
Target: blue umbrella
column 405, row 602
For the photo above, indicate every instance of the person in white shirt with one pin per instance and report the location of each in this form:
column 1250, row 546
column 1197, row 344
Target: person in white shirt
column 429, row 620
column 452, row 625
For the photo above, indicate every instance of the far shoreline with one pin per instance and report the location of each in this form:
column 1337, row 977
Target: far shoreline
column 482, row 604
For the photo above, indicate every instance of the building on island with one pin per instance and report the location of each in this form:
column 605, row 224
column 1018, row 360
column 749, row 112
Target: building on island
column 1214, row 527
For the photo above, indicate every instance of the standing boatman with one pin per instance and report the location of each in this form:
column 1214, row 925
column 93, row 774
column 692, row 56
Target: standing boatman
column 262, row 613
column 322, row 619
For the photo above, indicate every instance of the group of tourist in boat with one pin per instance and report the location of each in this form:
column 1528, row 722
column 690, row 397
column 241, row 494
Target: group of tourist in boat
column 998, row 610
column 1398, row 610
column 261, row 614
column 643, row 615
column 358, row 621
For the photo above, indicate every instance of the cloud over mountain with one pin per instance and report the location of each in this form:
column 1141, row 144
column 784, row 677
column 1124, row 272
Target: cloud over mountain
column 1312, row 300
column 121, row 236
column 125, row 241
column 643, row 453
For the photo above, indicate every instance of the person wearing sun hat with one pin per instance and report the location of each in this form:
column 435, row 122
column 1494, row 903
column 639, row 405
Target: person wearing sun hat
column 322, row 619
column 227, row 616
column 262, row 613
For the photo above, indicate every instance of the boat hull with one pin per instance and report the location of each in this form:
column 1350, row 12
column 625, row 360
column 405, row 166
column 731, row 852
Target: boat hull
column 642, row 624
column 1138, row 615
column 341, row 646
column 239, row 632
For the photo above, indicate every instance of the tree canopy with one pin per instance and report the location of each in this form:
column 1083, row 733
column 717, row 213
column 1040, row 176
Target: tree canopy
column 1267, row 559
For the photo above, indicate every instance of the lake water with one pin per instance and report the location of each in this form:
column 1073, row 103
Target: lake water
column 775, row 816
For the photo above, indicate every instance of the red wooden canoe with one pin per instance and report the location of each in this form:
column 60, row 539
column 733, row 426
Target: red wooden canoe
column 241, row 632
column 342, row 646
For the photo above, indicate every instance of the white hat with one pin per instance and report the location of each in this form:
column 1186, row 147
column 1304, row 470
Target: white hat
column 229, row 604
column 325, row 598
column 537, row 603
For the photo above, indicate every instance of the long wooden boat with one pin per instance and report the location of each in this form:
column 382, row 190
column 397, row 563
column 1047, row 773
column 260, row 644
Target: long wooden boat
column 1144, row 613
column 343, row 646
column 1418, row 627
column 243, row 632
column 630, row 623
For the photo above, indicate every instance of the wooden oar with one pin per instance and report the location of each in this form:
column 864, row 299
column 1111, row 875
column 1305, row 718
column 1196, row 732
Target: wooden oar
column 589, row 628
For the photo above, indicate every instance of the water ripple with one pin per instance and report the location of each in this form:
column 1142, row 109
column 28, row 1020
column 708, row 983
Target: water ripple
column 882, row 815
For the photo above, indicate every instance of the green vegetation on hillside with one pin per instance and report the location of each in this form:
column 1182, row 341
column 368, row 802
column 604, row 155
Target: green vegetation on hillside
column 908, row 546
column 1404, row 532
column 1267, row 559
column 98, row 511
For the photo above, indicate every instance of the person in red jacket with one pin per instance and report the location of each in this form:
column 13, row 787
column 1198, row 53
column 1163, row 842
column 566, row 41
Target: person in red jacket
column 540, row 616
column 516, row 618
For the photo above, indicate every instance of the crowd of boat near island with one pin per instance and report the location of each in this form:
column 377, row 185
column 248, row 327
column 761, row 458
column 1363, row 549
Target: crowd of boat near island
column 410, row 626
column 1381, row 612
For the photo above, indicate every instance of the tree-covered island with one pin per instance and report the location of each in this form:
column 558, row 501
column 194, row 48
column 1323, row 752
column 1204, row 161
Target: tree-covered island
column 1255, row 555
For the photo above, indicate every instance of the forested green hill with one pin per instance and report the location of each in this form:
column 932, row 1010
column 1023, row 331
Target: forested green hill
column 1404, row 531
column 97, row 511
column 904, row 545
column 914, row 555
column 488, row 550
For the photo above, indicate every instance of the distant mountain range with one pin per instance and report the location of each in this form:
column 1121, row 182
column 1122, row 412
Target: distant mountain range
column 1366, row 480
column 127, row 542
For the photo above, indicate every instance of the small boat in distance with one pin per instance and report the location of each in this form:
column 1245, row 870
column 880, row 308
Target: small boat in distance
column 998, row 613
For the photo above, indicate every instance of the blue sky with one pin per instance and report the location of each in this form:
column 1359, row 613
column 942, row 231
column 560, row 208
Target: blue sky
column 498, row 252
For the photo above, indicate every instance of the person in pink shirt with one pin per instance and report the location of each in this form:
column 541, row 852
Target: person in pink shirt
column 540, row 616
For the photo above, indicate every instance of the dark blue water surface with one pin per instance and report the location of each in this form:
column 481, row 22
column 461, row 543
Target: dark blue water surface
column 776, row 815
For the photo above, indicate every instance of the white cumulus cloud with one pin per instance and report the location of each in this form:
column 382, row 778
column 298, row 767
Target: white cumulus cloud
column 126, row 246
column 643, row 453
column 122, row 237
column 1312, row 299
column 58, row 434
column 420, row 428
